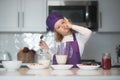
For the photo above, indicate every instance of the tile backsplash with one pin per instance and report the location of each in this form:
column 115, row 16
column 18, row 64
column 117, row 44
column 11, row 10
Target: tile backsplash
column 98, row 43
column 13, row 42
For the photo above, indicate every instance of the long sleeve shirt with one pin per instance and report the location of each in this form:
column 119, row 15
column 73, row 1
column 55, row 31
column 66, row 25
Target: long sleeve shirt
column 82, row 36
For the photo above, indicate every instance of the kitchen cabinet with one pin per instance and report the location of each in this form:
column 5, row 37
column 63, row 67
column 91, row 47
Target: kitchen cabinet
column 23, row 15
column 109, row 15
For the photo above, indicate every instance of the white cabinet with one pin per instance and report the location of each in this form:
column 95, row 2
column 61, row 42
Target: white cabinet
column 109, row 15
column 9, row 15
column 23, row 15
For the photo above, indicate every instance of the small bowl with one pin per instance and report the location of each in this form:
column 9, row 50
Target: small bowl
column 11, row 65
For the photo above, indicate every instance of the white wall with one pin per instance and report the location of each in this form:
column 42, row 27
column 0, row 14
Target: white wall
column 100, row 43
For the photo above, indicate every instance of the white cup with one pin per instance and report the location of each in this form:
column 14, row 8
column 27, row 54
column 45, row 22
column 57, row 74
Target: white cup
column 61, row 59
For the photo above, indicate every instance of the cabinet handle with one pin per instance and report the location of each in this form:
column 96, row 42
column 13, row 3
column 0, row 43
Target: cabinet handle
column 18, row 20
column 23, row 19
column 100, row 19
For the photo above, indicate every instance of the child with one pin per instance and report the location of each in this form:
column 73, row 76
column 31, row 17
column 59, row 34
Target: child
column 73, row 35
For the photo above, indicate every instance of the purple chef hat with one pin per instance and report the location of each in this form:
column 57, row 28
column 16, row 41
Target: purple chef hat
column 52, row 19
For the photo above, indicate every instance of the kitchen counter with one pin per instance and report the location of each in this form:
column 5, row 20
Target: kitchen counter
column 49, row 74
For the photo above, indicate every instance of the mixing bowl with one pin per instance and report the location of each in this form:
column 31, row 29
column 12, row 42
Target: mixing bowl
column 11, row 65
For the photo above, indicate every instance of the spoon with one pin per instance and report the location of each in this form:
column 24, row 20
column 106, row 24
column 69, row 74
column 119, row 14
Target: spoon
column 41, row 37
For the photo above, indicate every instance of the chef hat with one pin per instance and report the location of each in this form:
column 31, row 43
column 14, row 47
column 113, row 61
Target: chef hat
column 52, row 19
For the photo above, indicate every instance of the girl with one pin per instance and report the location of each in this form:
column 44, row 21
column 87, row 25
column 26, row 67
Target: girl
column 73, row 35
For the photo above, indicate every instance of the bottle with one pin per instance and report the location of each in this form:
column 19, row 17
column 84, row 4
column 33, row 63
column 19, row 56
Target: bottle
column 106, row 61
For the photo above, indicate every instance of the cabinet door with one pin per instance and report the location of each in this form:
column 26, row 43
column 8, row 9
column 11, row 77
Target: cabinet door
column 34, row 15
column 9, row 15
column 109, row 15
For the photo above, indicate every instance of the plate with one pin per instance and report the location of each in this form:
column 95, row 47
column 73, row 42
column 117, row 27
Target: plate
column 88, row 67
column 35, row 66
column 62, row 67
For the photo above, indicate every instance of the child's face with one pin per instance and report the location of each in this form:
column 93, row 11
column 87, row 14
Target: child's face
column 61, row 27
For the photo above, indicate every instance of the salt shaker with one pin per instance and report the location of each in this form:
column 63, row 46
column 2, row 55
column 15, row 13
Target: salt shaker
column 106, row 61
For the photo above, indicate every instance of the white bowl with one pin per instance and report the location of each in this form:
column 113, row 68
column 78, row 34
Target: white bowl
column 88, row 67
column 11, row 65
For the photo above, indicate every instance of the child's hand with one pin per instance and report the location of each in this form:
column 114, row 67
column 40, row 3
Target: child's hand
column 68, row 22
column 43, row 44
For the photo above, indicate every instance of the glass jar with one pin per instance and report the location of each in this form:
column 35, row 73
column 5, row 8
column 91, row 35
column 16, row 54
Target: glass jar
column 44, row 59
column 106, row 61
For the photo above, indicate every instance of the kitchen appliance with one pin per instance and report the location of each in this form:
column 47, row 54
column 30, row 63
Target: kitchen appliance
column 5, row 56
column 83, row 13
